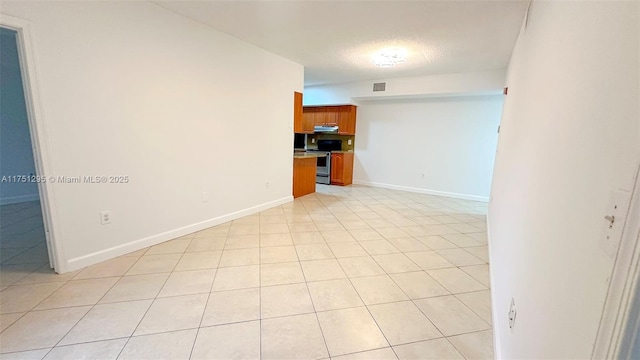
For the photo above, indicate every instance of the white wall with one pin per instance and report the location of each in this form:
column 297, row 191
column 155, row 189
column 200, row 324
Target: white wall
column 452, row 140
column 444, row 126
column 570, row 135
column 473, row 83
column 16, row 156
column 129, row 88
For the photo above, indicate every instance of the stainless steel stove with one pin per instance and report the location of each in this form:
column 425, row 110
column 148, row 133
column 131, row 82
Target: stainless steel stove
column 323, row 170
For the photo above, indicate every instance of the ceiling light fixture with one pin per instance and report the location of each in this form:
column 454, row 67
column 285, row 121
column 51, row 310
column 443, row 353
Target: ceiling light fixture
column 389, row 57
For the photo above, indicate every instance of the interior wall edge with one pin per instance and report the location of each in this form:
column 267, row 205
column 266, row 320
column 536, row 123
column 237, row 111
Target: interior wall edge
column 496, row 316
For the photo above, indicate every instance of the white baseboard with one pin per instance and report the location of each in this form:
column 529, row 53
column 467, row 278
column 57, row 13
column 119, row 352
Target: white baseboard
column 106, row 254
column 423, row 191
column 19, row 199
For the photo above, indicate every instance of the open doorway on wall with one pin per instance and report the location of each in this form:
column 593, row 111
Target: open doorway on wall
column 23, row 245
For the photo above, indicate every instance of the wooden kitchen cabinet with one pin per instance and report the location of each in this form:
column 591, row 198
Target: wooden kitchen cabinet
column 341, row 168
column 302, row 123
column 343, row 116
column 309, row 117
column 318, row 115
column 314, row 115
column 307, row 125
column 330, row 115
column 304, row 176
column 347, row 120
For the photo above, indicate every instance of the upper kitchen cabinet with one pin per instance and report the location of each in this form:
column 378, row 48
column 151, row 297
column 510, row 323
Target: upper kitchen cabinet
column 322, row 115
column 302, row 123
column 331, row 114
column 347, row 120
column 315, row 113
column 309, row 116
column 343, row 116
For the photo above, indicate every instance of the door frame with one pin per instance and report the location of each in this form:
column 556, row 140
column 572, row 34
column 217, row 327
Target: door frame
column 37, row 130
column 625, row 279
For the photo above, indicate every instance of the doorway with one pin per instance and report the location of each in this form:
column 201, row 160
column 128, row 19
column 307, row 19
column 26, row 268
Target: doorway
column 25, row 239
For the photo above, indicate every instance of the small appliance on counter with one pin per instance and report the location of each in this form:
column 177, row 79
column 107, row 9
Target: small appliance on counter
column 323, row 170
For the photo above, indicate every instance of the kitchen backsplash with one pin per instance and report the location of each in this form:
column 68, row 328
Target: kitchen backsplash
column 312, row 140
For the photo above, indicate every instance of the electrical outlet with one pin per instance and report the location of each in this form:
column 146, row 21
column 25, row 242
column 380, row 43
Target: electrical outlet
column 424, row 174
column 313, row 140
column 105, row 217
column 267, row 184
column 512, row 314
column 349, row 142
column 205, row 196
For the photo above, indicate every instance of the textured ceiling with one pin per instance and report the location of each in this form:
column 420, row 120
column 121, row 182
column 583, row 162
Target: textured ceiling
column 335, row 40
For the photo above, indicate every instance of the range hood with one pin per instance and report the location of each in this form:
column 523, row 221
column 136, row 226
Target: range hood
column 325, row 129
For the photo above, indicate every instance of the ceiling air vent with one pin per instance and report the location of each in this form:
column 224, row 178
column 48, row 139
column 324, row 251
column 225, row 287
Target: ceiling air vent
column 379, row 86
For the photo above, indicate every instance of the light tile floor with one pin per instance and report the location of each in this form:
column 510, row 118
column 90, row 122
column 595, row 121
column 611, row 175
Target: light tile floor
column 346, row 273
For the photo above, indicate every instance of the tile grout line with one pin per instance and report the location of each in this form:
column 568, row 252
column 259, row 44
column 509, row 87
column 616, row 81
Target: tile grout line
column 414, row 304
column 25, row 249
column 451, row 294
column 154, row 299
column 66, row 307
column 315, row 313
column 369, row 311
column 85, row 314
column 456, row 349
column 206, row 304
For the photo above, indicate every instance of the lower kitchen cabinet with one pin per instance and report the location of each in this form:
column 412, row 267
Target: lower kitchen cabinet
column 304, row 176
column 341, row 168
